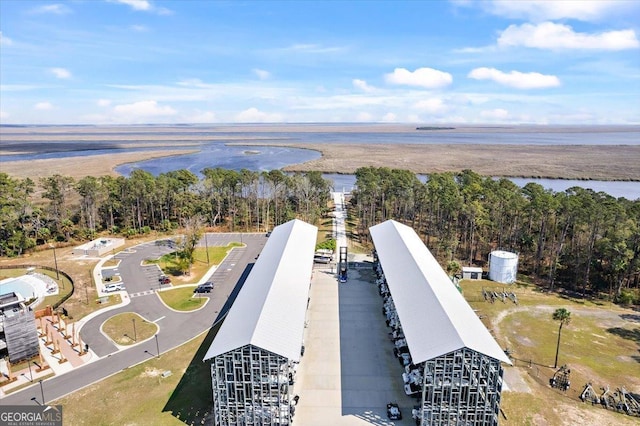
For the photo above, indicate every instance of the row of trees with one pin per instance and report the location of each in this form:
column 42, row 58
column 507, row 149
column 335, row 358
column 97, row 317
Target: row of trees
column 58, row 208
column 580, row 239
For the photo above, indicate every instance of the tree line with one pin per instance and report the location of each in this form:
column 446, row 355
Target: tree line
column 579, row 239
column 59, row 208
column 582, row 240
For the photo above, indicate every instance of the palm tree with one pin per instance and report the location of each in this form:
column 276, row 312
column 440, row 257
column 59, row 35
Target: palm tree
column 564, row 316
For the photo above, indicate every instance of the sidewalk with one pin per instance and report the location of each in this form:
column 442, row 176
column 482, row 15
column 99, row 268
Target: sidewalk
column 65, row 358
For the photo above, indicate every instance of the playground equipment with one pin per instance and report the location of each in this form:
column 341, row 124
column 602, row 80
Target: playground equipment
column 620, row 400
column 560, row 379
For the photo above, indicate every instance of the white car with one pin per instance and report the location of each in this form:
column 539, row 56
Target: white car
column 113, row 287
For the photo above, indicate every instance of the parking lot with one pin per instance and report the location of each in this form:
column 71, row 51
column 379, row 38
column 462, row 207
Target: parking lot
column 348, row 373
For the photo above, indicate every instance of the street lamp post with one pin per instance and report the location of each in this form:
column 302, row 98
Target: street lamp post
column 55, row 260
column 157, row 346
column 135, row 336
column 30, row 373
column 206, row 245
column 42, row 392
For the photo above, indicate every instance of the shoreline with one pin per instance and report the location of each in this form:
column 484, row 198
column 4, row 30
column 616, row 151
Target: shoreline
column 564, row 162
column 591, row 161
column 90, row 165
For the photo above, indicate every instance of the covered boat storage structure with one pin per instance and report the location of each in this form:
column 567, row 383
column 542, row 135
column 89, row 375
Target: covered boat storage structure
column 452, row 363
column 256, row 351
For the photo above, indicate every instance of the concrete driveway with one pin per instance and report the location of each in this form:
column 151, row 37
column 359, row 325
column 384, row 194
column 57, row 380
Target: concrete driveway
column 348, row 373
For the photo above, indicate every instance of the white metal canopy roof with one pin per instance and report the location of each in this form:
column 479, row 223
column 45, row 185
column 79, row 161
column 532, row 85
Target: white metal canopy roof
column 435, row 318
column 269, row 311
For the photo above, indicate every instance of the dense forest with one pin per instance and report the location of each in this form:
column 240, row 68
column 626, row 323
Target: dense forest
column 58, row 208
column 581, row 240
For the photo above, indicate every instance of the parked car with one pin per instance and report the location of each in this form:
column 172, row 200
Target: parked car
column 163, row 279
column 393, row 411
column 204, row 288
column 113, row 287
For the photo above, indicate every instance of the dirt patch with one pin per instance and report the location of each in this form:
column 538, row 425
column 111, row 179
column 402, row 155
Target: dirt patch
column 525, row 341
column 151, row 372
column 514, row 380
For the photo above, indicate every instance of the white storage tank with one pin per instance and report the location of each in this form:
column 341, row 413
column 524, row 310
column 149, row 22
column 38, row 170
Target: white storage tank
column 503, row 266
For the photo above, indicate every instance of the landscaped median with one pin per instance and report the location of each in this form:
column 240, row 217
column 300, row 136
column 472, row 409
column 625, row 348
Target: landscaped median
column 182, row 298
column 128, row 328
column 173, row 265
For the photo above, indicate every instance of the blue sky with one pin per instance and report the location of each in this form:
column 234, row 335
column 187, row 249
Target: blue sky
column 144, row 61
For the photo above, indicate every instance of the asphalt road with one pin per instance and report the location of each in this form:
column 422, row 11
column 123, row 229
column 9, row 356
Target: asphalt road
column 175, row 328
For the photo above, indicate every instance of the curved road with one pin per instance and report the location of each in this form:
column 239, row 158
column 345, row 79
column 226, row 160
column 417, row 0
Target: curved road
column 175, row 328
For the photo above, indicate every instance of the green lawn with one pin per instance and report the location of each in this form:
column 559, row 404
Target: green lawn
column 141, row 396
column 128, row 328
column 182, row 298
column 598, row 346
column 170, row 264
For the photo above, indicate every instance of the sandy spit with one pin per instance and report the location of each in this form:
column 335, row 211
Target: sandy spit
column 79, row 167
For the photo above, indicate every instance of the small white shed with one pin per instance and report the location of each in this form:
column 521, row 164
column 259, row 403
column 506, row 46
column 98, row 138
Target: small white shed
column 471, row 273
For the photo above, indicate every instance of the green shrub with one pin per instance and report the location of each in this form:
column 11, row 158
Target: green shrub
column 628, row 297
column 327, row 244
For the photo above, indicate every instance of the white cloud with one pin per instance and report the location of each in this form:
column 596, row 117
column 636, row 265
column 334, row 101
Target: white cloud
column 362, row 85
column 61, row 73
column 540, row 10
column 192, row 82
column 261, row 74
column 549, row 35
column 363, row 117
column 517, row 79
column 104, row 102
column 313, row 48
column 4, row 114
column 56, row 9
column 144, row 109
column 389, row 117
column 4, row 40
column 43, row 106
column 495, row 114
column 432, row 105
column 203, row 117
column 136, row 4
column 254, row 115
column 18, row 87
column 139, row 28
column 144, row 6
column 424, row 77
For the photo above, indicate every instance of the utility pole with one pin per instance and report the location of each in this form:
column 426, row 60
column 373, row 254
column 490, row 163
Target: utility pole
column 206, row 245
column 157, row 346
column 55, row 260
